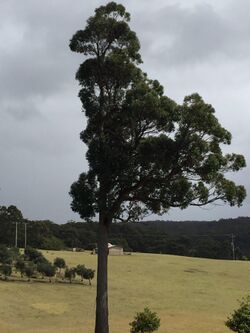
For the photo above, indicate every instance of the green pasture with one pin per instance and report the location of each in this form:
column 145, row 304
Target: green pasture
column 190, row 295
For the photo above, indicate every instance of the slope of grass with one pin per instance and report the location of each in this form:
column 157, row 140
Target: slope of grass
column 190, row 295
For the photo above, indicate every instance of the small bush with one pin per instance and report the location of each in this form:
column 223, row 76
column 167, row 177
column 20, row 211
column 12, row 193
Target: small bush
column 6, row 270
column 80, row 270
column 70, row 274
column 145, row 322
column 239, row 321
column 5, row 256
column 85, row 273
column 14, row 253
column 89, row 274
column 29, row 270
column 35, row 256
column 46, row 269
column 59, row 263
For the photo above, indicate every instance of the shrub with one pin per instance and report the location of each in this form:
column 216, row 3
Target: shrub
column 239, row 321
column 32, row 254
column 80, row 270
column 6, row 270
column 145, row 322
column 5, row 256
column 70, row 274
column 59, row 263
column 29, row 271
column 14, row 253
column 88, row 274
column 46, row 269
column 85, row 273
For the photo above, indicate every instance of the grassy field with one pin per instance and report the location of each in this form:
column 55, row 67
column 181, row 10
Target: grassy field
column 190, row 295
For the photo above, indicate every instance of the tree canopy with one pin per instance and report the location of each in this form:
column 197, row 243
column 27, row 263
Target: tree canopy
column 145, row 152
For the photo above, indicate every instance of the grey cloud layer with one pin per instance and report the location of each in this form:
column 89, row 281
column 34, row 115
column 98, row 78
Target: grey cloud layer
column 186, row 36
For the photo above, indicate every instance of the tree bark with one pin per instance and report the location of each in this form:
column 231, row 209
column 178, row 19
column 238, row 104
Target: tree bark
column 101, row 324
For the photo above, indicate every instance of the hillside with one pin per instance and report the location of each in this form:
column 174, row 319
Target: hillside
column 190, row 295
column 188, row 238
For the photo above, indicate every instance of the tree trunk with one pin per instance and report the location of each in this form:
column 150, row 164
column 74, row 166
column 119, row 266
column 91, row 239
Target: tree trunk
column 101, row 324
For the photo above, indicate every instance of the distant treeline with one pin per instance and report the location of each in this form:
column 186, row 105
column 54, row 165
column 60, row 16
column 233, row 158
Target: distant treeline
column 215, row 239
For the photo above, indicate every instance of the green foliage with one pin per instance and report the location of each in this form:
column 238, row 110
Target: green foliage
column 11, row 213
column 6, row 270
column 239, row 321
column 42, row 234
column 80, row 270
column 33, row 255
column 145, row 322
column 5, row 255
column 145, row 152
column 70, row 274
column 85, row 273
column 46, row 269
column 14, row 253
column 29, row 270
column 160, row 237
column 59, row 263
column 20, row 265
column 88, row 274
column 53, row 243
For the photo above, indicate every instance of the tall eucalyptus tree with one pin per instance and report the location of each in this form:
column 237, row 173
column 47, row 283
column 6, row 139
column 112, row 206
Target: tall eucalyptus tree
column 145, row 152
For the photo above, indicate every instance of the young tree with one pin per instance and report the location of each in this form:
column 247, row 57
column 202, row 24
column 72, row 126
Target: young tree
column 34, row 255
column 145, row 152
column 88, row 274
column 46, row 269
column 145, row 322
column 85, row 273
column 70, row 274
column 239, row 321
column 80, row 270
column 59, row 263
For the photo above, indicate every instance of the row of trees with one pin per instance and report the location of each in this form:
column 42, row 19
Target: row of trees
column 32, row 264
column 196, row 239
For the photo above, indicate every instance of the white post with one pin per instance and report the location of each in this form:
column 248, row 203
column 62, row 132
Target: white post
column 233, row 247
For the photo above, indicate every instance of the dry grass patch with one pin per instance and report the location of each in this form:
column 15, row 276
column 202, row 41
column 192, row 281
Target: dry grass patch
column 190, row 295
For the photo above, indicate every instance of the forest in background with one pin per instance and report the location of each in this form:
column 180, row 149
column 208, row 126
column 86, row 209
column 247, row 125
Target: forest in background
column 222, row 239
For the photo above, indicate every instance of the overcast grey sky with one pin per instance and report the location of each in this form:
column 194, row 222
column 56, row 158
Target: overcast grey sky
column 188, row 45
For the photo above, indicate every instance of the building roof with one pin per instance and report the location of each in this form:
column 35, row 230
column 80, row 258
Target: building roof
column 110, row 246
